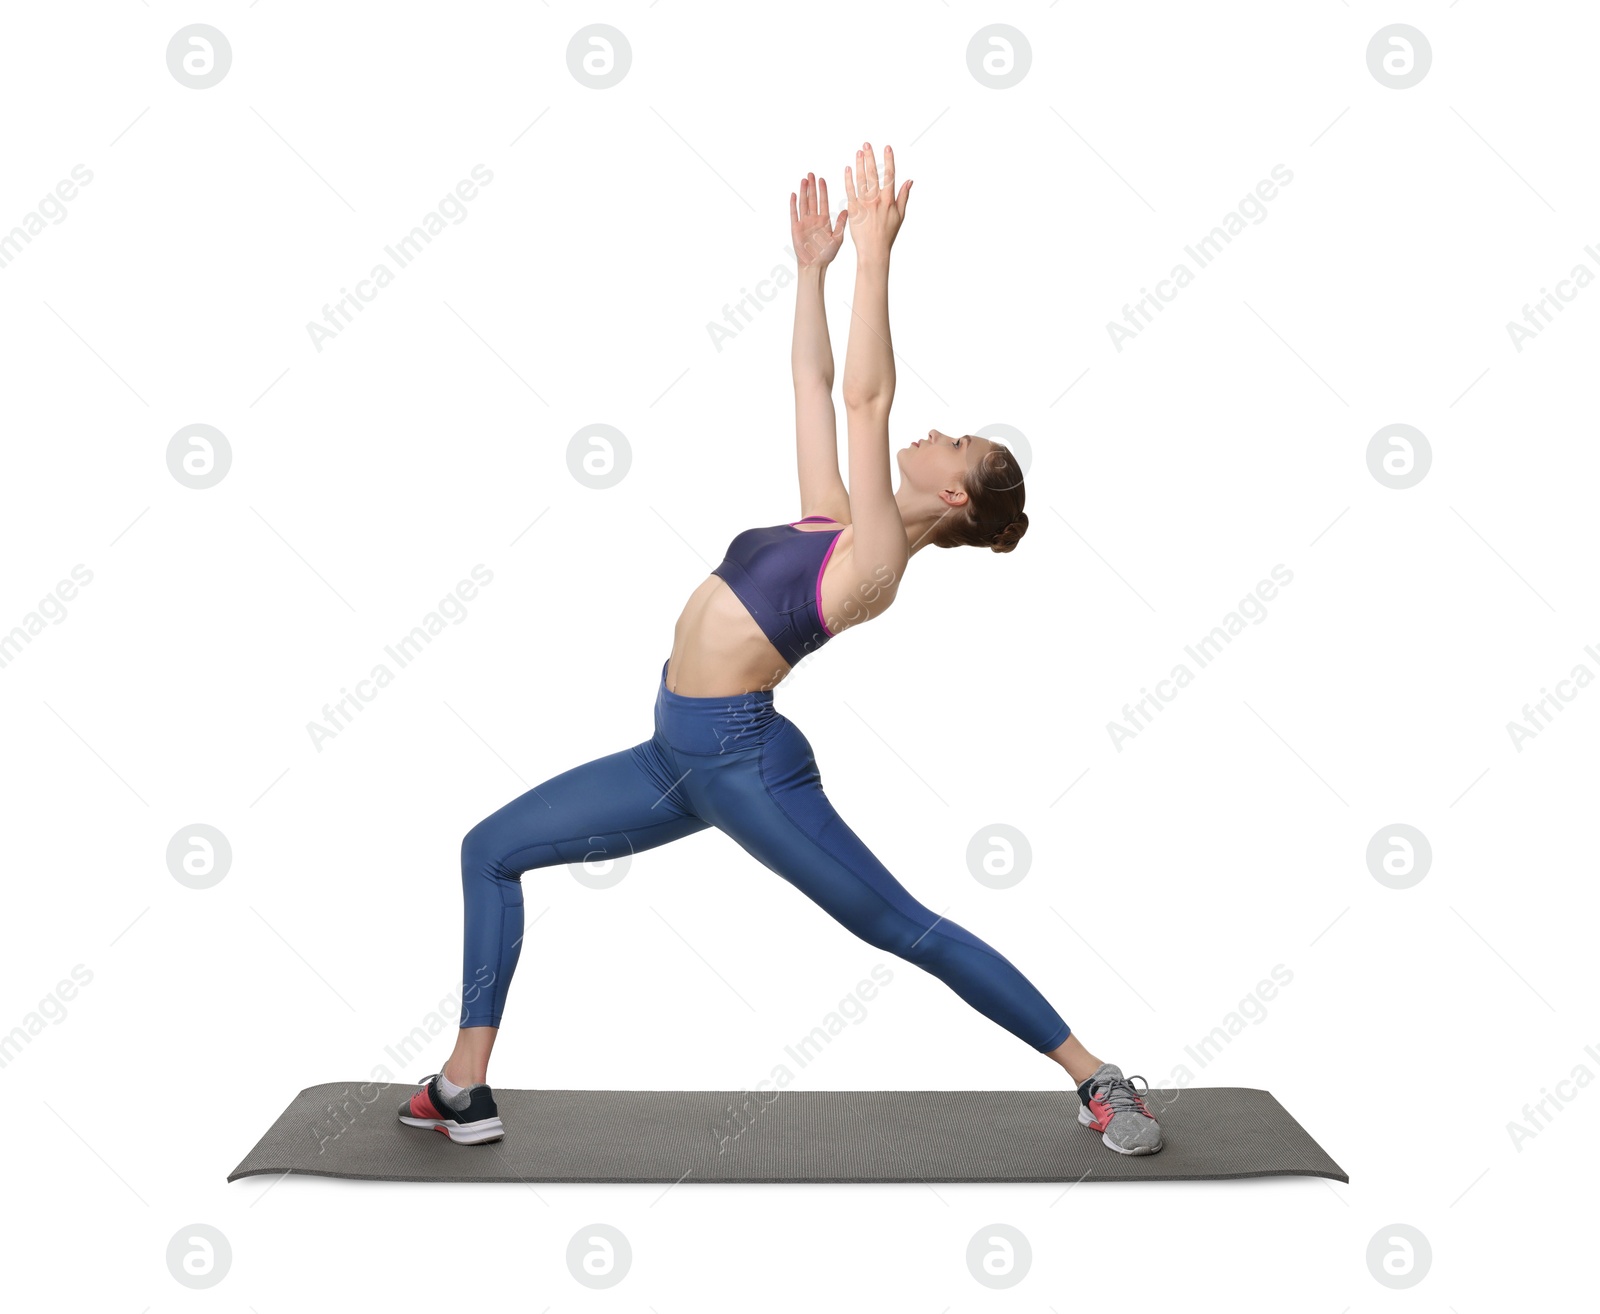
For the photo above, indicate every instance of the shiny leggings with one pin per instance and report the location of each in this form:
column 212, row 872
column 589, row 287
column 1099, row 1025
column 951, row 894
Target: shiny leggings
column 738, row 764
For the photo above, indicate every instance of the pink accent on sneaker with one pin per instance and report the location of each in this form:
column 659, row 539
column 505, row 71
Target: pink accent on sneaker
column 422, row 1105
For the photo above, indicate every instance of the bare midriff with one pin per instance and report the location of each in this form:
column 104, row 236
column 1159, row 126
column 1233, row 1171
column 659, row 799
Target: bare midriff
column 719, row 651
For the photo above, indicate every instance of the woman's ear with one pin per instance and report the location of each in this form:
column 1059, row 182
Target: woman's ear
column 953, row 496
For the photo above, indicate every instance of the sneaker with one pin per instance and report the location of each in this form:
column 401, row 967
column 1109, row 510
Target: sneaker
column 1111, row 1104
column 476, row 1122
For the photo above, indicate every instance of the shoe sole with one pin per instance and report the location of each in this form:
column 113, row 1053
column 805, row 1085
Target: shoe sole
column 462, row 1133
column 1085, row 1120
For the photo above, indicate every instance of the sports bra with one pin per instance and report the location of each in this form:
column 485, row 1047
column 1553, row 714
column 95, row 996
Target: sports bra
column 776, row 572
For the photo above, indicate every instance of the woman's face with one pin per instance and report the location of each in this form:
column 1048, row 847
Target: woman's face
column 940, row 464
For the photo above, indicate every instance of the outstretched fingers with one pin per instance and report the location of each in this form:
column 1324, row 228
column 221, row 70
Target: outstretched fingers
column 868, row 163
column 824, row 209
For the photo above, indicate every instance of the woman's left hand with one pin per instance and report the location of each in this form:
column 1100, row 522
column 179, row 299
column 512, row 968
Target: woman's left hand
column 816, row 241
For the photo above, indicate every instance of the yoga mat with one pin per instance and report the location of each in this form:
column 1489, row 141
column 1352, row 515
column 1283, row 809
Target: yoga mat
column 350, row 1129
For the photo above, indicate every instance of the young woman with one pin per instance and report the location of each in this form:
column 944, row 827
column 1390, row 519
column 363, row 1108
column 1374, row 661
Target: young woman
column 722, row 755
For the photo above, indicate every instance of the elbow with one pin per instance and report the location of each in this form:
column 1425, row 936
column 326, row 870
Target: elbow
column 876, row 401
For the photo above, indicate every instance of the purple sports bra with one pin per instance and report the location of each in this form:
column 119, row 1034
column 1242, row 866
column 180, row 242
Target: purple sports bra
column 776, row 572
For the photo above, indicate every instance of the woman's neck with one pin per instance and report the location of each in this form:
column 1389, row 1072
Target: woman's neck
column 920, row 524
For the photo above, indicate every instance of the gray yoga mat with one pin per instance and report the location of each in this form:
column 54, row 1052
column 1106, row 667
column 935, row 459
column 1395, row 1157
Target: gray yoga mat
column 350, row 1129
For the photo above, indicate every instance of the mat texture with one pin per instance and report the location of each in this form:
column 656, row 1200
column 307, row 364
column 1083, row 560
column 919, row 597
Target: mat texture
column 350, row 1129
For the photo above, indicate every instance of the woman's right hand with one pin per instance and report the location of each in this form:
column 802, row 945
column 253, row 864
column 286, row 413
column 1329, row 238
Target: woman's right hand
column 816, row 239
column 876, row 213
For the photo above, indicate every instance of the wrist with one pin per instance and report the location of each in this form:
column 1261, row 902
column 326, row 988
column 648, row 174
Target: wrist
column 876, row 262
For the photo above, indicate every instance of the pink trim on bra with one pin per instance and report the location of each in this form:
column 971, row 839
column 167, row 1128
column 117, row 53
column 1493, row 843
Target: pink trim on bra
column 822, row 619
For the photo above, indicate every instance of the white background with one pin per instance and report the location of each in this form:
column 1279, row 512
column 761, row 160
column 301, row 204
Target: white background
column 1167, row 479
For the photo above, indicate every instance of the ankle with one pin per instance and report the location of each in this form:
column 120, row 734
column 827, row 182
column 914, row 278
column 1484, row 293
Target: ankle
column 1081, row 1072
column 1076, row 1061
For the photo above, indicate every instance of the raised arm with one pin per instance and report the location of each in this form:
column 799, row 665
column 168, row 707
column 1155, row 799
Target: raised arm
column 816, row 242
column 875, row 217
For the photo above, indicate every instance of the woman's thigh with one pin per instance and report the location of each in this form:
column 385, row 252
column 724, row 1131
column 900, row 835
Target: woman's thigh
column 773, row 805
column 606, row 808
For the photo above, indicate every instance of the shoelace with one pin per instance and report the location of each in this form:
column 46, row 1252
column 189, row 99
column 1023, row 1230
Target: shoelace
column 1120, row 1094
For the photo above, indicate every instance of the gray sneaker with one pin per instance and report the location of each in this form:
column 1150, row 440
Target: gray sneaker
column 1111, row 1104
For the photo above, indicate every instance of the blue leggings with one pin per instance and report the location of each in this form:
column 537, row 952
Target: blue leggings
column 738, row 764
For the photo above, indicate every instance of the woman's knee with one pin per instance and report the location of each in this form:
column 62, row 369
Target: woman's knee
column 896, row 934
column 501, row 848
column 482, row 855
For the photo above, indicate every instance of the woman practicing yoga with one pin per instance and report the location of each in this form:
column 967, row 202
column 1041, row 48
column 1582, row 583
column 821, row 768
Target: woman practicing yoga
column 722, row 755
